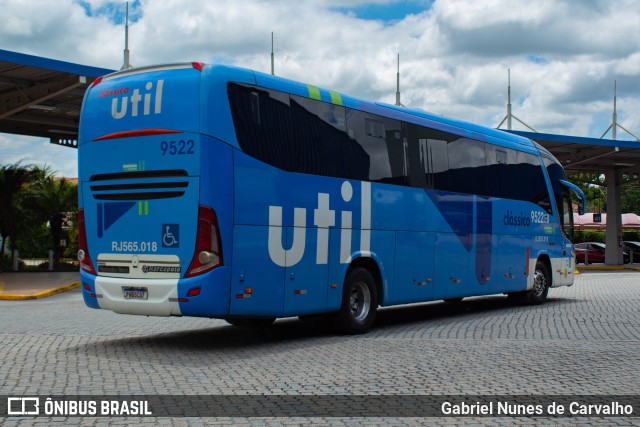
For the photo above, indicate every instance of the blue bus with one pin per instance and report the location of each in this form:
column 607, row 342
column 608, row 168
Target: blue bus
column 222, row 192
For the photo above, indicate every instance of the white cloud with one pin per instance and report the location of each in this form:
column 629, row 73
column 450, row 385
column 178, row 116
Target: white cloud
column 563, row 55
column 38, row 151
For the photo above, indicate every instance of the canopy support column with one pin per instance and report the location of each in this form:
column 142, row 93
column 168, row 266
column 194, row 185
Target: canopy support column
column 613, row 237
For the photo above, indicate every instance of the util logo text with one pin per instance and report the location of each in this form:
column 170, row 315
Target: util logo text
column 323, row 218
column 149, row 97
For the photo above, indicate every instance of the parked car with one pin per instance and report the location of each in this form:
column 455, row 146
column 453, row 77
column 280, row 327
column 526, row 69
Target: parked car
column 589, row 252
column 596, row 252
column 628, row 247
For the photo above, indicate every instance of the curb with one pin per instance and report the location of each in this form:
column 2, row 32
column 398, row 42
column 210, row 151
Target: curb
column 15, row 297
column 603, row 268
column 607, row 268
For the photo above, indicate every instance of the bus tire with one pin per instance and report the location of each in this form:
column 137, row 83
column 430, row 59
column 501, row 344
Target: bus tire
column 538, row 293
column 359, row 303
column 248, row 322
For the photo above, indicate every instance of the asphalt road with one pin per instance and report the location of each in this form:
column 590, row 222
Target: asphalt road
column 584, row 341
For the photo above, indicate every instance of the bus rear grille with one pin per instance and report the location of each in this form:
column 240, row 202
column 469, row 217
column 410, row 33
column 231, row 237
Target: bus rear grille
column 103, row 190
column 170, row 173
column 139, row 196
column 140, row 186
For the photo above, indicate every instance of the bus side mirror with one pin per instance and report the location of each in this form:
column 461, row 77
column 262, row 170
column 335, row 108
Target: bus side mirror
column 581, row 197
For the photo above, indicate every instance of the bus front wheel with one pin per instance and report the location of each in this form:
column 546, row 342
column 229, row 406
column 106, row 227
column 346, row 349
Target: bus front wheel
column 359, row 303
column 538, row 293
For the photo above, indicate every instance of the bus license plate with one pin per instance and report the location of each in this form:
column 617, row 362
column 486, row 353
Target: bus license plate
column 135, row 292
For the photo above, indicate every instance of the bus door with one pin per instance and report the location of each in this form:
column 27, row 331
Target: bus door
column 565, row 234
column 305, row 284
column 513, row 257
column 452, row 265
column 414, row 271
column 563, row 275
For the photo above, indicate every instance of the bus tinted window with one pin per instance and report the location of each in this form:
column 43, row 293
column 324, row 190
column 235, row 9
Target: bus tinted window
column 439, row 163
column 531, row 182
column 295, row 134
column 499, row 181
column 299, row 134
column 467, row 166
column 319, row 128
column 381, row 138
column 331, row 114
column 556, row 173
column 428, row 159
column 264, row 126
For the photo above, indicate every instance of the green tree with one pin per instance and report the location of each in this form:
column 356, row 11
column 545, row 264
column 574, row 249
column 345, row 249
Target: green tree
column 53, row 200
column 630, row 198
column 13, row 180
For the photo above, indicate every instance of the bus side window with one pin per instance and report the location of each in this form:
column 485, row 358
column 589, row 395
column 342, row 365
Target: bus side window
column 319, row 129
column 418, row 157
column 467, row 166
column 531, row 181
column 255, row 108
column 428, row 161
column 381, row 138
column 499, row 183
column 262, row 121
column 556, row 173
column 439, row 164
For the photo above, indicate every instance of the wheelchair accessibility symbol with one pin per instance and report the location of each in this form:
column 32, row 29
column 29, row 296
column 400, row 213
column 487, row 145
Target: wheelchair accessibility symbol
column 170, row 235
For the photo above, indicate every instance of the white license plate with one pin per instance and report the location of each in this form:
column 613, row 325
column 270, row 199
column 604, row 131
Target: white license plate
column 135, row 292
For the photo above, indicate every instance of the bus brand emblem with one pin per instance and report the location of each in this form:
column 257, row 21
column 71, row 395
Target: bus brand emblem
column 323, row 218
column 147, row 98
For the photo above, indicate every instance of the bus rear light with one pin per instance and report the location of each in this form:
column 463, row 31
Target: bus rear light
column 97, row 81
column 208, row 253
column 193, row 292
column 83, row 251
column 198, row 66
column 136, row 133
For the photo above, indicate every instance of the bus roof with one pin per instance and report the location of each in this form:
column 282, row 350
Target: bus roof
column 411, row 115
column 227, row 73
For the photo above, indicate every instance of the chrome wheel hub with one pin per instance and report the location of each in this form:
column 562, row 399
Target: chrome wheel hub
column 360, row 301
column 539, row 283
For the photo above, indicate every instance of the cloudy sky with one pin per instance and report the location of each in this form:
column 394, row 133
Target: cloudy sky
column 564, row 55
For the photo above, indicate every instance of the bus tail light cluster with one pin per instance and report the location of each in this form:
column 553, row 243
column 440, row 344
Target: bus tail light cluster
column 83, row 249
column 208, row 253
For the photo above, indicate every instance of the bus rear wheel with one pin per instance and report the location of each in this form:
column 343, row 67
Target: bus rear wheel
column 359, row 303
column 541, row 283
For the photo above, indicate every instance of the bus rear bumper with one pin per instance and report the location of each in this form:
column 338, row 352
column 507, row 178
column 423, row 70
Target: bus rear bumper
column 164, row 297
column 157, row 297
column 211, row 292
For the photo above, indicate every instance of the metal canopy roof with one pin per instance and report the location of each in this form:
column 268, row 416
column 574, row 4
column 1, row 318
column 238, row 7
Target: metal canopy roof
column 42, row 97
column 591, row 157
